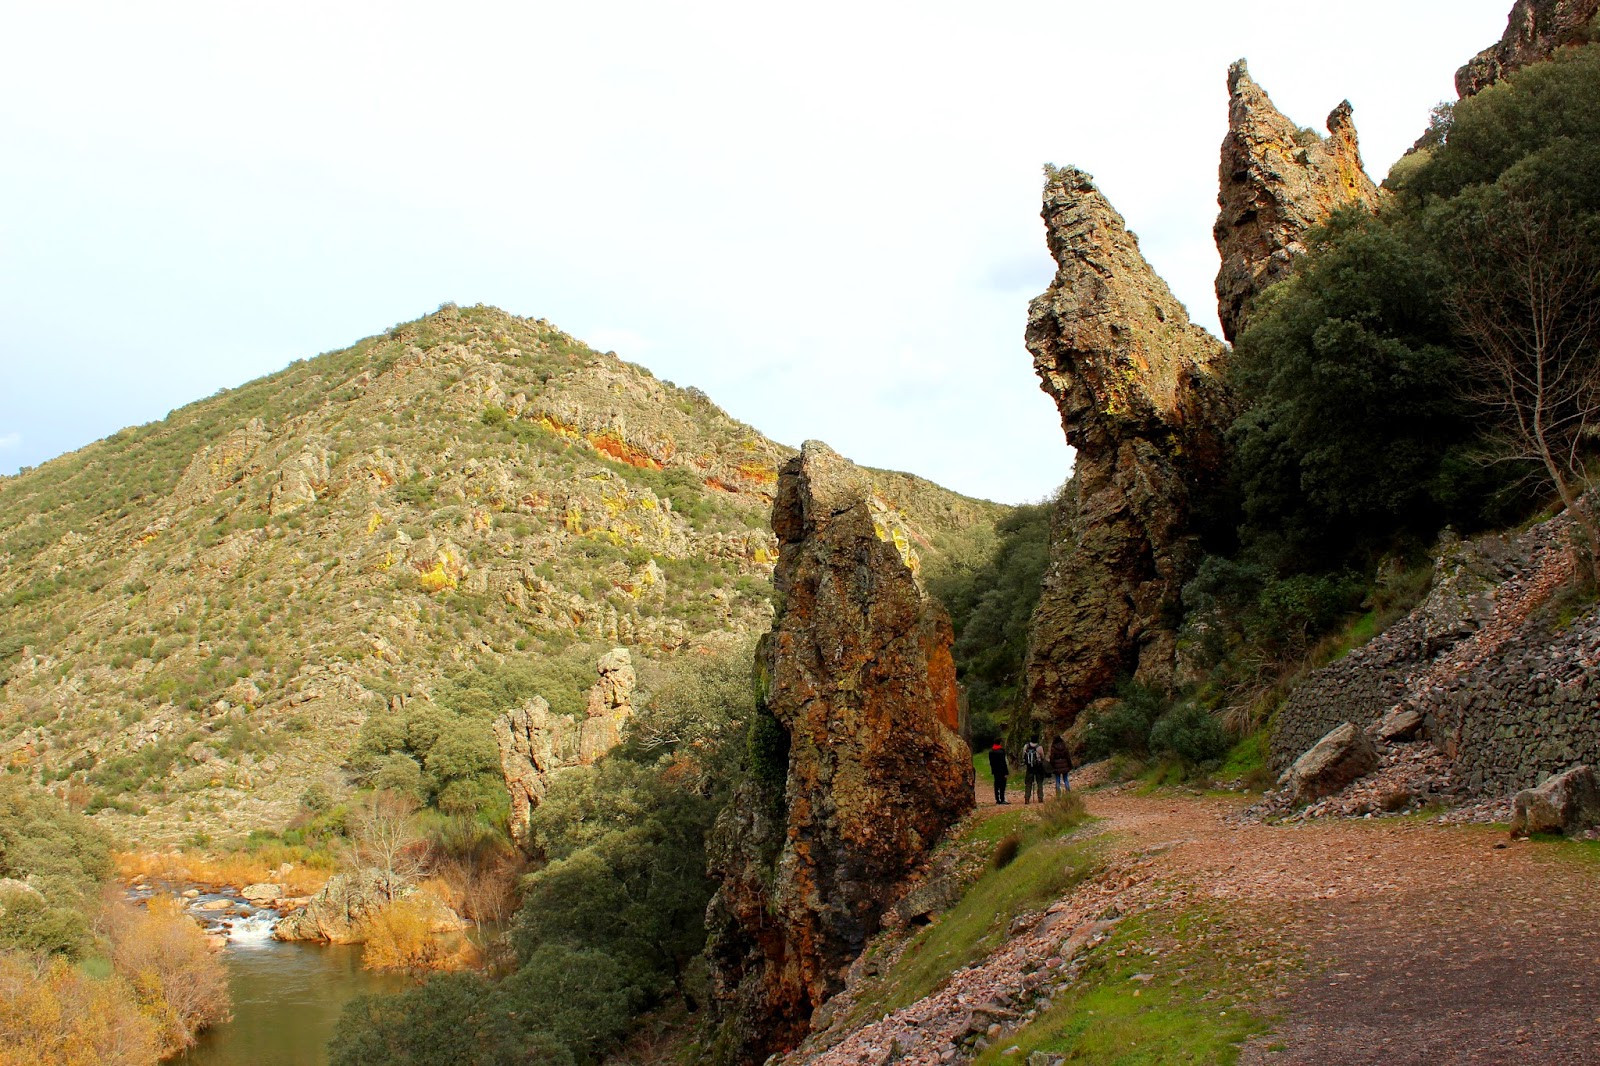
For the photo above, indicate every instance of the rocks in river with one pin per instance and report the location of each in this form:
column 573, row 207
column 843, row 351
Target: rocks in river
column 335, row 913
column 216, row 905
column 262, row 893
column 1340, row 757
column 1566, row 803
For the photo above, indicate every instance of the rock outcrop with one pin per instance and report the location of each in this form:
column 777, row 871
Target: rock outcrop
column 1142, row 406
column 536, row 743
column 1566, row 803
column 1275, row 182
column 857, row 769
column 1534, row 31
column 336, row 913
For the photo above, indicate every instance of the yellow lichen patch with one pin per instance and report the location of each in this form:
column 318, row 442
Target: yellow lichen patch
column 386, row 563
column 374, row 523
column 572, row 521
column 446, row 573
column 762, row 555
column 480, row 521
column 559, row 428
column 760, row 473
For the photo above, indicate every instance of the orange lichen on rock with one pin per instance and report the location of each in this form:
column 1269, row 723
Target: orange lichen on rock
column 615, row 447
column 862, row 766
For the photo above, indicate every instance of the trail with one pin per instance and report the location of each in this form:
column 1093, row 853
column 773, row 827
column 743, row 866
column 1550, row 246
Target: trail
column 1420, row 943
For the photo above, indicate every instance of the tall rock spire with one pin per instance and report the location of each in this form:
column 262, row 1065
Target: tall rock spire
column 1136, row 386
column 857, row 767
column 1276, row 182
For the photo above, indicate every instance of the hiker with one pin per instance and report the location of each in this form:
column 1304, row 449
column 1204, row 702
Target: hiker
column 1033, row 771
column 1060, row 764
column 997, row 767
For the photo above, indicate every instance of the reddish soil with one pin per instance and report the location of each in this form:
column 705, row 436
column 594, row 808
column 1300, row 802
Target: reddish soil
column 1423, row 943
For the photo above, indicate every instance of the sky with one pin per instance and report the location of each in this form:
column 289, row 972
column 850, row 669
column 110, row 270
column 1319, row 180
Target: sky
column 825, row 215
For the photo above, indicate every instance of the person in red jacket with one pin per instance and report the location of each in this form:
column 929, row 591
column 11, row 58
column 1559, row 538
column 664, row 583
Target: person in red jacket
column 997, row 767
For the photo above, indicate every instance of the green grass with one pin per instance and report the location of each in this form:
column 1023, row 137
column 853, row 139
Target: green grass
column 1047, row 868
column 1196, row 969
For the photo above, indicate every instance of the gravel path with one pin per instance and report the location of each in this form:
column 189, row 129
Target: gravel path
column 1426, row 943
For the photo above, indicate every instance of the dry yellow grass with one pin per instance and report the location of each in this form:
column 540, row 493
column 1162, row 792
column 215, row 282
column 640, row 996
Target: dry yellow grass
column 231, row 870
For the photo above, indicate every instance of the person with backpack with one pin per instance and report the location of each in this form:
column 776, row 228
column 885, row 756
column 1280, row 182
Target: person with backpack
column 997, row 767
column 1061, row 764
column 1033, row 769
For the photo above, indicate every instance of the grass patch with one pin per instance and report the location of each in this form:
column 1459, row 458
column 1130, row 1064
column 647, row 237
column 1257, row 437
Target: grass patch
column 1165, row 988
column 1044, row 868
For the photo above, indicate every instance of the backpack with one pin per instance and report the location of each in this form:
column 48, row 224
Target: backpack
column 1032, row 756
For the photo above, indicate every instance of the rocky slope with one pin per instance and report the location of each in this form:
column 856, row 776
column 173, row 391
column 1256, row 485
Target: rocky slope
column 1535, row 29
column 196, row 615
column 1276, row 181
column 858, row 765
column 1140, row 400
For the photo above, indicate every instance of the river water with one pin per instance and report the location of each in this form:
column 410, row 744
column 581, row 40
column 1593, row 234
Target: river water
column 286, row 997
column 286, row 1002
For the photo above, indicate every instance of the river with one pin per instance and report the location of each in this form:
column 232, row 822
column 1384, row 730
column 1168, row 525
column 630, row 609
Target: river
column 286, row 1002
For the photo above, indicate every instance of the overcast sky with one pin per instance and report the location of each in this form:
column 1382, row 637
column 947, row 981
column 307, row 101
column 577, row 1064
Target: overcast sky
column 824, row 215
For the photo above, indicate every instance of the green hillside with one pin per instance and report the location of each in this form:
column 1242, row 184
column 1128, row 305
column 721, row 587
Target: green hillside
column 197, row 615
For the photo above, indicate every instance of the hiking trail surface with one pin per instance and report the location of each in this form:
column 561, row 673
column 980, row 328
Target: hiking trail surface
column 1405, row 941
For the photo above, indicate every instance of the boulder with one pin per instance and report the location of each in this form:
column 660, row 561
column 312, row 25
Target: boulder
column 1142, row 405
column 1566, row 803
column 1400, row 724
column 1345, row 754
column 1535, row 30
column 334, row 915
column 856, row 770
column 262, row 893
column 1276, row 181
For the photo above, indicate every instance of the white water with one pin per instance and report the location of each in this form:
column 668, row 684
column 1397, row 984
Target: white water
column 250, row 929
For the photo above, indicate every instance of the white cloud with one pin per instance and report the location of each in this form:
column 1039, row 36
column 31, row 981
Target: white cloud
column 9, row 441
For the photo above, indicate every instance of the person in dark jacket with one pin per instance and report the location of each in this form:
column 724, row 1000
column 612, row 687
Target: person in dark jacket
column 1033, row 768
column 997, row 767
column 1061, row 764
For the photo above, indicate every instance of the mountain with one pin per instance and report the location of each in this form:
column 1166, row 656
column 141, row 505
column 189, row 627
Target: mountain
column 197, row 615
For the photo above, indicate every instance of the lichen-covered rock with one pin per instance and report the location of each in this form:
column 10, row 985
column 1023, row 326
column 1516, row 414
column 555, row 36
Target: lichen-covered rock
column 335, row 914
column 1401, row 723
column 1566, row 803
column 535, row 743
column 1333, row 762
column 1275, row 182
column 1136, row 384
column 1534, row 31
column 858, row 771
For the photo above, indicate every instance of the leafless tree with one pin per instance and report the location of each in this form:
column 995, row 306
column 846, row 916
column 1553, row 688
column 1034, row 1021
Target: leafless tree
column 1526, row 298
column 384, row 837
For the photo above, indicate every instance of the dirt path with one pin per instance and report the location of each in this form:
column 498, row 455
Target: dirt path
column 1420, row 943
column 1427, row 944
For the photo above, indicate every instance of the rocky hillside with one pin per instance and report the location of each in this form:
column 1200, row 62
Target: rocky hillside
column 197, row 615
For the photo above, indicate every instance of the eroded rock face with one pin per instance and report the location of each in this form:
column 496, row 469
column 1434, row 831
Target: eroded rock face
column 1534, row 31
column 535, row 742
column 1275, row 182
column 1140, row 402
column 859, row 770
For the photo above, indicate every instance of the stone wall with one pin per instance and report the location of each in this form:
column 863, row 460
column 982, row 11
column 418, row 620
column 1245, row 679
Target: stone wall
column 1508, row 692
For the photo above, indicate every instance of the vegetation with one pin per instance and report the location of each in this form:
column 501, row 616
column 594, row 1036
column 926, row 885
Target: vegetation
column 84, row 980
column 611, row 920
column 1165, row 988
column 989, row 582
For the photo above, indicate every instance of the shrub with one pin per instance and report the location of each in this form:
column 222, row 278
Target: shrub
column 1191, row 733
column 51, row 1012
column 177, row 980
column 1006, row 851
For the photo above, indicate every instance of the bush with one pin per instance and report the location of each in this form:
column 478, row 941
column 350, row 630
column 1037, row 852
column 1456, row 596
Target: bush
column 1125, row 727
column 176, row 978
column 51, row 1012
column 1191, row 733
